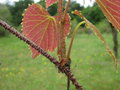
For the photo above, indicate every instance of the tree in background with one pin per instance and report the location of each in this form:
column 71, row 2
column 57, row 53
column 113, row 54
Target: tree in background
column 75, row 6
column 115, row 40
column 17, row 10
column 4, row 15
column 42, row 3
column 94, row 14
column 52, row 9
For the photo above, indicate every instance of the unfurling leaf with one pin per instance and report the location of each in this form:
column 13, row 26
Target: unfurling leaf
column 50, row 2
column 99, row 35
column 41, row 28
column 111, row 9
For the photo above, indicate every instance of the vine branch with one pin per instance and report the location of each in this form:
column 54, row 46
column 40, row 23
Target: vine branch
column 44, row 53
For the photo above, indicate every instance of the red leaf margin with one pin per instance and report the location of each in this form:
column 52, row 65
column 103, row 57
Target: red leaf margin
column 50, row 2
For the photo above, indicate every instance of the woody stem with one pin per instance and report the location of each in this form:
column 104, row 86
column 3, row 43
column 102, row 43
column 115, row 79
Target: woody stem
column 40, row 50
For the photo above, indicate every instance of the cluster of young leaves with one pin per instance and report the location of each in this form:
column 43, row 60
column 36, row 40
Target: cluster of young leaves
column 42, row 28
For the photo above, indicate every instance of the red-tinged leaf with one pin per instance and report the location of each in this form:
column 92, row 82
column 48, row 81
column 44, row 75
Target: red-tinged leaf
column 41, row 28
column 50, row 2
column 111, row 9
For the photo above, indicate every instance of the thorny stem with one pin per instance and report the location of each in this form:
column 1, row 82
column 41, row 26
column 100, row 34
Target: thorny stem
column 60, row 11
column 40, row 50
column 61, row 42
column 66, row 9
column 61, row 38
column 60, row 8
column 68, row 65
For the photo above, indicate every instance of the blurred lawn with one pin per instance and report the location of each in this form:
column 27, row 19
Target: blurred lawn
column 91, row 65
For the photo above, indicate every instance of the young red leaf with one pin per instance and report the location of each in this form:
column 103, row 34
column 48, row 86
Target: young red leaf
column 111, row 9
column 41, row 28
column 50, row 2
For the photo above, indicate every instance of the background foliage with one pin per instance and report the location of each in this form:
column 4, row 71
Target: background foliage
column 4, row 15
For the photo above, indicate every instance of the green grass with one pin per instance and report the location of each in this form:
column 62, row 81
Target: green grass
column 91, row 65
